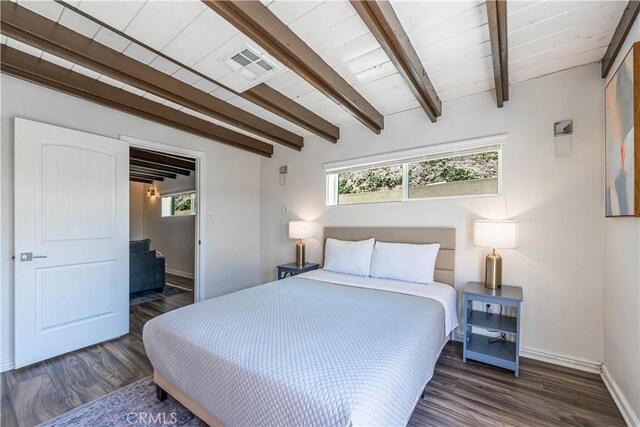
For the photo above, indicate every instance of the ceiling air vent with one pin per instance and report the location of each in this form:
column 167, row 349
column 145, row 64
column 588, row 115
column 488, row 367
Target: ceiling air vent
column 241, row 59
column 250, row 64
column 249, row 54
column 264, row 64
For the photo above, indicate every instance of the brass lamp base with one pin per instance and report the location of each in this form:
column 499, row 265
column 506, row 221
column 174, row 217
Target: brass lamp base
column 493, row 271
column 300, row 261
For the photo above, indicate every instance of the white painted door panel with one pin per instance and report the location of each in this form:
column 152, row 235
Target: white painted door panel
column 71, row 213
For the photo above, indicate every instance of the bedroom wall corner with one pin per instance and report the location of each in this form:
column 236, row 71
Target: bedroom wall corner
column 558, row 201
column 621, row 296
column 173, row 236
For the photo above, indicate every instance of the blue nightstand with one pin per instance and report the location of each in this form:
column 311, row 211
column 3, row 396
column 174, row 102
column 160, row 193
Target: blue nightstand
column 292, row 269
column 504, row 354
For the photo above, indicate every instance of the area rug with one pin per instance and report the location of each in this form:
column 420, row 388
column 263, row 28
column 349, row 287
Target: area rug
column 144, row 296
column 135, row 404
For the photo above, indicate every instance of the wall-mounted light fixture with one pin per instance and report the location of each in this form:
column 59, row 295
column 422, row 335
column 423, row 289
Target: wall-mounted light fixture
column 283, row 175
column 151, row 192
column 562, row 135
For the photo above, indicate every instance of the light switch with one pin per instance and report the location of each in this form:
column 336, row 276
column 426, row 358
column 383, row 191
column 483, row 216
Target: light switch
column 209, row 216
column 285, row 209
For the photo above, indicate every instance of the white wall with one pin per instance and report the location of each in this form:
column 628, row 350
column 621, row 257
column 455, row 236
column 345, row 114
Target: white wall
column 174, row 236
column 558, row 201
column 231, row 242
column 622, row 292
column 136, row 210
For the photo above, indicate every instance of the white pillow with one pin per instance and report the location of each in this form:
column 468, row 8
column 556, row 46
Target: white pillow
column 348, row 257
column 401, row 261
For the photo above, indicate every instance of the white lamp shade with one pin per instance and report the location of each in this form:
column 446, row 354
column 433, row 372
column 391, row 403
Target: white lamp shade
column 495, row 234
column 300, row 229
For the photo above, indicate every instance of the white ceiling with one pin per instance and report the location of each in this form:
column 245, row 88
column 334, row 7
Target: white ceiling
column 547, row 37
column 450, row 37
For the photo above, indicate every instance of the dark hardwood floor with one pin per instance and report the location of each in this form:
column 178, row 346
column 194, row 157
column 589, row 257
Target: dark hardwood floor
column 47, row 389
column 474, row 394
column 459, row 394
column 179, row 281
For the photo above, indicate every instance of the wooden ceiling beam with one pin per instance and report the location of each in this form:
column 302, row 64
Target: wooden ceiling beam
column 270, row 99
column 262, row 95
column 142, row 176
column 504, row 48
column 497, row 20
column 23, row 65
column 163, row 159
column 142, row 180
column 385, row 26
column 631, row 12
column 29, row 27
column 157, row 167
column 259, row 24
column 145, row 171
column 189, row 159
column 149, row 175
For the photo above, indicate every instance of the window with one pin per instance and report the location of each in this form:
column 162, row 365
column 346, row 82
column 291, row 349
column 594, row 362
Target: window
column 182, row 204
column 469, row 175
column 472, row 168
column 373, row 185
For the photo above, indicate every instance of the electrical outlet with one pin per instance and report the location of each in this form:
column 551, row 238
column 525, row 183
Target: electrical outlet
column 285, row 210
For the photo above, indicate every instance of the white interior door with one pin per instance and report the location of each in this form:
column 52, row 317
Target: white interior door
column 71, row 240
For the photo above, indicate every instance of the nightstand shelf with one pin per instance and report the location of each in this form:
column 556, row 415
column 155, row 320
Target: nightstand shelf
column 504, row 354
column 494, row 322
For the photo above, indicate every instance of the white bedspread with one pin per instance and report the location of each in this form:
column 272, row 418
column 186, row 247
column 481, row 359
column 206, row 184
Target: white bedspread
column 444, row 294
column 302, row 351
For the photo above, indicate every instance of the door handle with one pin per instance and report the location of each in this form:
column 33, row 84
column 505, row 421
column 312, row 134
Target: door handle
column 29, row 256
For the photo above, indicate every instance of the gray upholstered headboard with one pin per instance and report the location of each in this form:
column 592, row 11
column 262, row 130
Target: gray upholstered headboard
column 445, row 262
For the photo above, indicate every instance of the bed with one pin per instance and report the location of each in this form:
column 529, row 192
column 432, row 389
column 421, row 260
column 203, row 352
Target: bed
column 320, row 348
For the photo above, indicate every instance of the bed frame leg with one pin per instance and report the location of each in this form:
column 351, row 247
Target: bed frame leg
column 161, row 394
column 424, row 393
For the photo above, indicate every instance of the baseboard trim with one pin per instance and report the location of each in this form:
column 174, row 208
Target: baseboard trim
column 567, row 361
column 630, row 418
column 6, row 365
column 179, row 273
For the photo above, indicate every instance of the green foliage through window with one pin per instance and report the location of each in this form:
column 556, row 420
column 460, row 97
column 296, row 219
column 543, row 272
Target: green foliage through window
column 462, row 175
column 182, row 203
column 368, row 180
column 179, row 204
column 452, row 169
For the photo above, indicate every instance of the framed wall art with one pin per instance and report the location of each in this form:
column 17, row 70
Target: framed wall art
column 622, row 138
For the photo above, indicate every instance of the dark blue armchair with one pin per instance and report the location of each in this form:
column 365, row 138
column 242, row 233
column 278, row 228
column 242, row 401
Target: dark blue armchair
column 146, row 267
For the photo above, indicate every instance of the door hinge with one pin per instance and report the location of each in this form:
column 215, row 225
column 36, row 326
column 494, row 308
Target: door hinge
column 199, row 242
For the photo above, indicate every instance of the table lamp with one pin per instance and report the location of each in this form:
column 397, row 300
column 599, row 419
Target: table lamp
column 495, row 235
column 300, row 230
